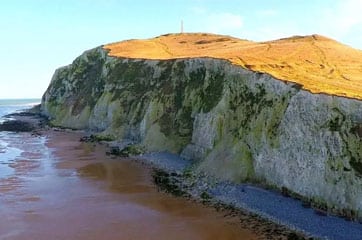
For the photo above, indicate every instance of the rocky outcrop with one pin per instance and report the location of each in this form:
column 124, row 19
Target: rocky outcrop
column 236, row 124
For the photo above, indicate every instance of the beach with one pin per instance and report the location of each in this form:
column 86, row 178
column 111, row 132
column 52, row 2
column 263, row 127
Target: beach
column 60, row 188
column 54, row 184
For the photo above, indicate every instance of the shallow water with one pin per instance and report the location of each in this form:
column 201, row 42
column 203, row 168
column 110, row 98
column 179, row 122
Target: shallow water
column 7, row 154
column 59, row 188
column 8, row 106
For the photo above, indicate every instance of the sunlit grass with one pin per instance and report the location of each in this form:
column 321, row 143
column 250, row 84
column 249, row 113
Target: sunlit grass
column 320, row 64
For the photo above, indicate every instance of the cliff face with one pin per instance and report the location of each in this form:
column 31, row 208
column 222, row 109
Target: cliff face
column 238, row 125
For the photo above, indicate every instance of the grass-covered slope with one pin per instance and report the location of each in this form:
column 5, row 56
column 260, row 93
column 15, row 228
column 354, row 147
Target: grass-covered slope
column 319, row 64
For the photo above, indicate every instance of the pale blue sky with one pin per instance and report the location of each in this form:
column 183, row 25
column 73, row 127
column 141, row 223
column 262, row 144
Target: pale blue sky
column 37, row 36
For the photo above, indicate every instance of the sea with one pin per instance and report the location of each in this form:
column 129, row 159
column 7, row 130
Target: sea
column 8, row 106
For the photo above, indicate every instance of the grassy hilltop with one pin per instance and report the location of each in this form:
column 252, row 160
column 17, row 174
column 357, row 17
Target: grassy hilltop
column 320, row 64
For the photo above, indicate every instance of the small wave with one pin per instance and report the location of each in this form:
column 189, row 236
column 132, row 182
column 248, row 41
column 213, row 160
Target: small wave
column 3, row 144
column 19, row 102
column 17, row 105
column 22, row 104
column 31, row 104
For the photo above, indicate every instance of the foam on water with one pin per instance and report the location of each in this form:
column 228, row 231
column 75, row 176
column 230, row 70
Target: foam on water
column 8, row 106
column 19, row 102
column 8, row 154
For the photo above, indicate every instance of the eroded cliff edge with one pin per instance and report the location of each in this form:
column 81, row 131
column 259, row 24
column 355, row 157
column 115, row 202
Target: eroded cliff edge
column 237, row 124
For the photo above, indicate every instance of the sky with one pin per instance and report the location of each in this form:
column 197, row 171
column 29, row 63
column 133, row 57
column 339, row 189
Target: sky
column 38, row 36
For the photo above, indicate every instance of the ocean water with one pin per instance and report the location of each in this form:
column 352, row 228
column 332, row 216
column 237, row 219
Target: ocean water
column 8, row 106
column 7, row 153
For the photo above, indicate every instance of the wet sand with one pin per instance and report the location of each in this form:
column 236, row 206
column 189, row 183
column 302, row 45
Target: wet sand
column 60, row 188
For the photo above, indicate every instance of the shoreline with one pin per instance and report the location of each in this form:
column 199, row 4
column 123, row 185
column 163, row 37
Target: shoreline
column 263, row 211
column 175, row 178
column 62, row 188
column 270, row 208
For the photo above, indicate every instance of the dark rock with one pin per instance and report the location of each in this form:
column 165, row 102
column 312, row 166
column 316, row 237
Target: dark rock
column 128, row 151
column 16, row 126
column 205, row 196
column 357, row 130
column 168, row 183
column 285, row 192
column 320, row 212
column 36, row 134
column 306, row 204
column 22, row 114
column 294, row 236
column 87, row 139
column 114, row 150
column 95, row 138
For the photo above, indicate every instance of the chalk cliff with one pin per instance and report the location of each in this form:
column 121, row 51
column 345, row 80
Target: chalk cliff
column 235, row 123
